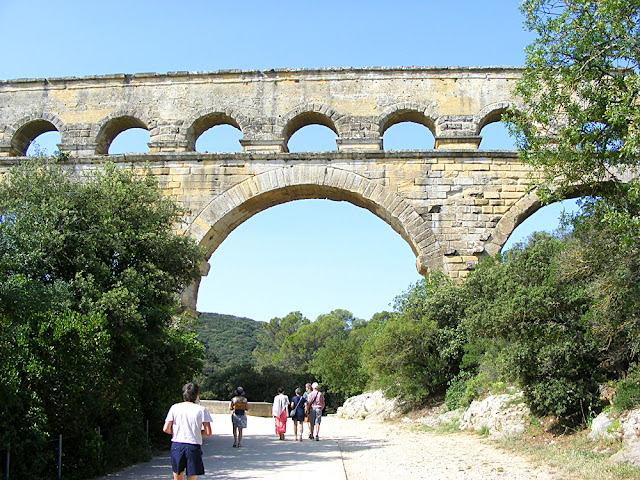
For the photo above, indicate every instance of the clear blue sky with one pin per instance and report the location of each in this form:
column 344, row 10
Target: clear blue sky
column 309, row 256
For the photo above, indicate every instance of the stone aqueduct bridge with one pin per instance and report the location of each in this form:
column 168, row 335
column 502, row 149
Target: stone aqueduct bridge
column 452, row 204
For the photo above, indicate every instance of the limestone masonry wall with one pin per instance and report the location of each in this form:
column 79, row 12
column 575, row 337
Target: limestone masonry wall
column 267, row 106
column 453, row 204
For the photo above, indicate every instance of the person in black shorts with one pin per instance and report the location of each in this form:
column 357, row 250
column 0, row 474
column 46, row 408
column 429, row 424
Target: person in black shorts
column 187, row 423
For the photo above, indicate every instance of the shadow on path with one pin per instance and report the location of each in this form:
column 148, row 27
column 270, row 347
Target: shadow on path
column 262, row 455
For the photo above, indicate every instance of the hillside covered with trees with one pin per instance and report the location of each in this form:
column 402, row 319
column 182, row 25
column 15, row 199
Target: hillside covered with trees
column 227, row 339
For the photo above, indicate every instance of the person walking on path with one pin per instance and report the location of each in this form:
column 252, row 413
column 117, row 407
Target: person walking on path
column 239, row 407
column 307, row 391
column 315, row 401
column 279, row 412
column 187, row 423
column 298, row 413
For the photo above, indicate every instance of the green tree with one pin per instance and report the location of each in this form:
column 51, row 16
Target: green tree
column 525, row 300
column 299, row 348
column 607, row 265
column 273, row 336
column 417, row 350
column 340, row 363
column 580, row 121
column 91, row 267
column 50, row 363
column 580, row 125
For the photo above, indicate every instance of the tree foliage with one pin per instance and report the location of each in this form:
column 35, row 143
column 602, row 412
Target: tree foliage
column 90, row 272
column 538, row 318
column 605, row 261
column 273, row 336
column 228, row 340
column 340, row 361
column 299, row 348
column 580, row 120
column 417, row 350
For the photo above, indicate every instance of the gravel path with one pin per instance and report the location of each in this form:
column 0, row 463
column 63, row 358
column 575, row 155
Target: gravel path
column 351, row 449
column 382, row 451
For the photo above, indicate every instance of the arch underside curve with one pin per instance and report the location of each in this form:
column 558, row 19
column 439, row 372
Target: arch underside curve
column 407, row 112
column 523, row 209
column 283, row 184
column 114, row 124
column 27, row 129
column 518, row 213
column 492, row 113
column 310, row 114
column 203, row 120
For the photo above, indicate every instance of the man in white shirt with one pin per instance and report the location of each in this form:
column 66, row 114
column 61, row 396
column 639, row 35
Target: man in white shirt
column 187, row 423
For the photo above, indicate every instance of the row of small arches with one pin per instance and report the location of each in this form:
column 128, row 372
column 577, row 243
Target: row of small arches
column 129, row 135
column 312, row 138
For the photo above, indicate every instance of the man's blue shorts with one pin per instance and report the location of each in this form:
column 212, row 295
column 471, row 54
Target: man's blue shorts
column 187, row 455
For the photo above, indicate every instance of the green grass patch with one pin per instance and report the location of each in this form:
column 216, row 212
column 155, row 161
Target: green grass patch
column 574, row 455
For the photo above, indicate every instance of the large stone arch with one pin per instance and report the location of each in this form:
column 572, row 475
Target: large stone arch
column 28, row 128
column 239, row 203
column 115, row 123
column 520, row 211
column 207, row 118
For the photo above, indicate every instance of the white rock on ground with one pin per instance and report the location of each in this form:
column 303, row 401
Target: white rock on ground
column 502, row 415
column 600, row 428
column 628, row 432
column 371, row 405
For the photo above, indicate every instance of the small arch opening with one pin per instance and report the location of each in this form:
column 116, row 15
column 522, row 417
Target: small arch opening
column 408, row 135
column 495, row 136
column 214, row 132
column 313, row 138
column 131, row 140
column 45, row 144
column 219, row 138
column 316, row 134
column 25, row 135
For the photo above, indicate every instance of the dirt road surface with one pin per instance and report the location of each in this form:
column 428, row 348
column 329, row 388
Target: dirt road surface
column 385, row 451
column 349, row 450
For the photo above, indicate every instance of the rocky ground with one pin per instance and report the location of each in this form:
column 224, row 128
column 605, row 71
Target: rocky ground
column 372, row 450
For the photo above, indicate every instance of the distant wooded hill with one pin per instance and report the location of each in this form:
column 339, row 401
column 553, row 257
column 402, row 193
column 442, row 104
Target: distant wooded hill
column 228, row 339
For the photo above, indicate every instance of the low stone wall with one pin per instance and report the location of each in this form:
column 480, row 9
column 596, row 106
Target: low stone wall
column 256, row 409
